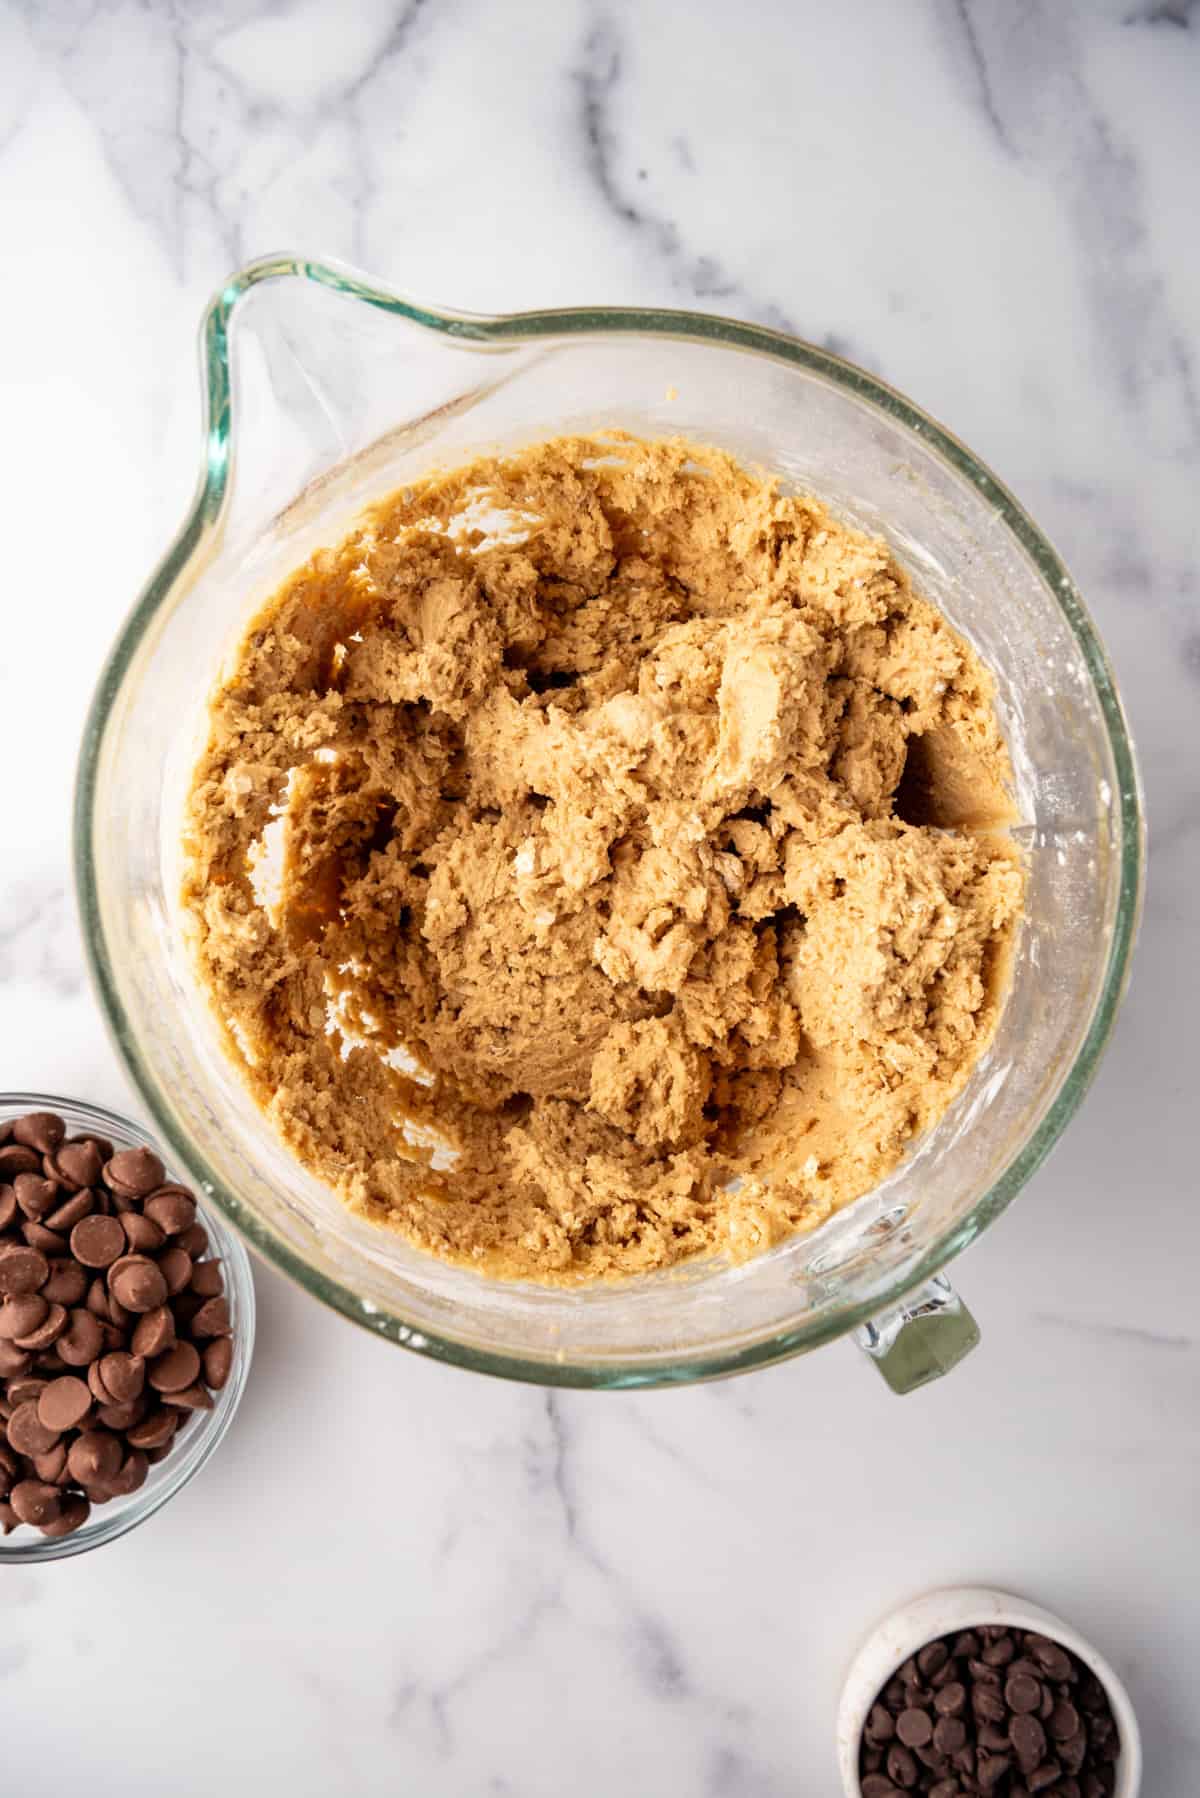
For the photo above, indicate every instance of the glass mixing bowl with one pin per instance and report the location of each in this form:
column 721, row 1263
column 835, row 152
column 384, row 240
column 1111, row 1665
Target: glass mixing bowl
column 324, row 391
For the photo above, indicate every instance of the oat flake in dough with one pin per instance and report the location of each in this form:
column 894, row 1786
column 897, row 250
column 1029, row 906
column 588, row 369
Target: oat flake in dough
column 664, row 836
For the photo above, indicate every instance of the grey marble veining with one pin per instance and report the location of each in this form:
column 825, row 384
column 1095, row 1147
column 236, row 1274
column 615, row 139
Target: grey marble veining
column 393, row 1576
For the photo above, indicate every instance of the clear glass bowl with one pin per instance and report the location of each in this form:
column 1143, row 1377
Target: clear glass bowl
column 206, row 1428
column 324, row 391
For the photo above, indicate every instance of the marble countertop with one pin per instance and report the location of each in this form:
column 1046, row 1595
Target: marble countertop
column 395, row 1577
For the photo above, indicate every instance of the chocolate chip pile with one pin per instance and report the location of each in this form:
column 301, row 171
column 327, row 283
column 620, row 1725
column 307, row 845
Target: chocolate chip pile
column 991, row 1710
column 113, row 1328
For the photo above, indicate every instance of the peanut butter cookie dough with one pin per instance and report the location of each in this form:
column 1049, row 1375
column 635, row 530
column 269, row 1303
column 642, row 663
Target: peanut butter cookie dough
column 598, row 859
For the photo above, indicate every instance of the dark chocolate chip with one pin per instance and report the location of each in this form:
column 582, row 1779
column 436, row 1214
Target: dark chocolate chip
column 1050, row 1657
column 1022, row 1694
column 914, row 1728
column 902, row 1766
column 1064, row 1720
column 1029, row 1741
column 983, row 1674
column 1073, row 1752
column 880, row 1726
column 932, row 1658
column 987, row 1703
column 993, row 1737
column 951, row 1701
column 949, row 1735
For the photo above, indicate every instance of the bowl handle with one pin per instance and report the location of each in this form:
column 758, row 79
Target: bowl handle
column 921, row 1338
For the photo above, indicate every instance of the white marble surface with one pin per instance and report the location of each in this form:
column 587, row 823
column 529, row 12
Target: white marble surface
column 394, row 1577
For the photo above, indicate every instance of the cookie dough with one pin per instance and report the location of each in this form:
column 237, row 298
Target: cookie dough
column 598, row 859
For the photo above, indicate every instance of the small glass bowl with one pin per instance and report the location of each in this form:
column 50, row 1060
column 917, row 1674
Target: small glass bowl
column 206, row 1428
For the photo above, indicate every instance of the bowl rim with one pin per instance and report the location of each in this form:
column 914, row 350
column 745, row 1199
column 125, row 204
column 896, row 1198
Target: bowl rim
column 112, row 1523
column 194, row 542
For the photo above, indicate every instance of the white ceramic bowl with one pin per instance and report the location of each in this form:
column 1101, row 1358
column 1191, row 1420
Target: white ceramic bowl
column 957, row 1608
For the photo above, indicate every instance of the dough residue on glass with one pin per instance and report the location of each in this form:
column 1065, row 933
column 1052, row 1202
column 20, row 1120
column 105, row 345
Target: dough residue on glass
column 599, row 859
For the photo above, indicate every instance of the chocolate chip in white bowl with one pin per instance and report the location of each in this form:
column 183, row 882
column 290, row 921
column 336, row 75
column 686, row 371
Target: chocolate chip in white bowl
column 1016, row 1713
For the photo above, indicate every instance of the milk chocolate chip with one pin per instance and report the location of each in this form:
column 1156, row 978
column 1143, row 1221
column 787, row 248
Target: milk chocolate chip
column 113, row 1324
column 64, row 1403
column 22, row 1270
column 137, row 1283
column 98, row 1241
